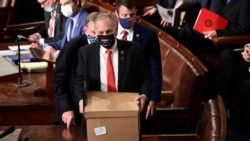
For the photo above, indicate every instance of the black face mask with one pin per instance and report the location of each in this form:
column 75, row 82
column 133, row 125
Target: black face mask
column 110, row 40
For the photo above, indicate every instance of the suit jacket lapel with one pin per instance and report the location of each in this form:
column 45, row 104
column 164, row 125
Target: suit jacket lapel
column 136, row 36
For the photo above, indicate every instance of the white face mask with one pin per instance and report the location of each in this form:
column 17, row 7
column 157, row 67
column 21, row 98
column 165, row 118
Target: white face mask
column 67, row 10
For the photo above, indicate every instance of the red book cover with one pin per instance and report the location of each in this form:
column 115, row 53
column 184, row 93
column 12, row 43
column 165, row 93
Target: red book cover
column 209, row 20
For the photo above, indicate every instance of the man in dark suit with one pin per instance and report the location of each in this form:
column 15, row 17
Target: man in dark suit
column 130, row 71
column 235, row 11
column 67, row 110
column 148, row 39
column 233, row 83
column 73, row 26
column 54, row 19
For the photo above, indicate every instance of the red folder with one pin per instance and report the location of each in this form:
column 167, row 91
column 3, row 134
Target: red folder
column 208, row 20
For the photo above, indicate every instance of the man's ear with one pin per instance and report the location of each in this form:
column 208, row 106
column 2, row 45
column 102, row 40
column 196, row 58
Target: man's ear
column 116, row 13
column 84, row 29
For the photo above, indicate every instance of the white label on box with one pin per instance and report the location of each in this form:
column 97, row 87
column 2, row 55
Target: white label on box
column 100, row 131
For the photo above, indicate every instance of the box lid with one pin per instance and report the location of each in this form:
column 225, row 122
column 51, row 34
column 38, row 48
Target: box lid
column 111, row 104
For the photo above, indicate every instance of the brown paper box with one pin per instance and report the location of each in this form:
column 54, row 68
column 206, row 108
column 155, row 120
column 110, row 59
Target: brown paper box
column 112, row 116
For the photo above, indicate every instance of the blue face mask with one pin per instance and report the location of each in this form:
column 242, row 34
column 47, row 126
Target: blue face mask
column 49, row 9
column 91, row 39
column 127, row 23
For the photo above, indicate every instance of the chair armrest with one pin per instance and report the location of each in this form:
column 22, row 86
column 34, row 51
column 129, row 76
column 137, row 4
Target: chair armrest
column 230, row 40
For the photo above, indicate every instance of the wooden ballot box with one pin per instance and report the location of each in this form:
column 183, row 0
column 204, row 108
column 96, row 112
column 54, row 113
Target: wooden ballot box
column 112, row 116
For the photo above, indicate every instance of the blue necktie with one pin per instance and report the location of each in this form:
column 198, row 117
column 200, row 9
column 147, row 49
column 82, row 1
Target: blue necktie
column 70, row 29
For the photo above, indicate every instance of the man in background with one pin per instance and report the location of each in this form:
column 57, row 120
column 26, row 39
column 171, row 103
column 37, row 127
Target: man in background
column 67, row 111
column 53, row 29
column 129, row 30
column 73, row 26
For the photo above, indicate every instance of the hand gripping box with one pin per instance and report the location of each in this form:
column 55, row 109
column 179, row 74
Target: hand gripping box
column 112, row 116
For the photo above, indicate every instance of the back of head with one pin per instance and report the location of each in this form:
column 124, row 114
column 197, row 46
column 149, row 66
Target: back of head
column 91, row 17
column 127, row 3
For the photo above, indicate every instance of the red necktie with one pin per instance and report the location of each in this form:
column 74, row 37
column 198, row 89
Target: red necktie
column 51, row 24
column 110, row 73
column 124, row 36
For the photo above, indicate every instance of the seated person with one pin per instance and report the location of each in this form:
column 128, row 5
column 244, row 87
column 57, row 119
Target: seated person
column 233, row 83
column 67, row 111
column 73, row 26
column 236, row 12
column 53, row 29
column 151, row 13
column 234, row 67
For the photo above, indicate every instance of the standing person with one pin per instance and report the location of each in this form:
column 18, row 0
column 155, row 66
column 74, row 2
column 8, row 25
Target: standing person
column 73, row 26
column 148, row 39
column 53, row 29
column 67, row 111
column 130, row 73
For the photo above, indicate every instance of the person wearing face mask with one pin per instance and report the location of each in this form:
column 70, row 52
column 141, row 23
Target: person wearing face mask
column 148, row 39
column 73, row 26
column 67, row 111
column 53, row 29
column 128, row 61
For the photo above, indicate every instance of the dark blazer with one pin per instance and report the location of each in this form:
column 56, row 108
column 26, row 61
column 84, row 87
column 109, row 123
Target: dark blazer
column 64, row 78
column 78, row 30
column 60, row 20
column 237, row 13
column 149, row 41
column 133, row 75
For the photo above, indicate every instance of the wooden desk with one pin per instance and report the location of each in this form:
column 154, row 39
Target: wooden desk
column 31, row 104
column 48, row 133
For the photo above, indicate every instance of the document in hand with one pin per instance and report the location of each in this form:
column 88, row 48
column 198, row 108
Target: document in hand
column 175, row 15
column 209, row 20
column 166, row 14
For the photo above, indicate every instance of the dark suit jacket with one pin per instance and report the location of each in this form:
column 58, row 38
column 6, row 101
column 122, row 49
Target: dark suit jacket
column 149, row 41
column 59, row 25
column 64, row 78
column 78, row 30
column 133, row 75
column 237, row 13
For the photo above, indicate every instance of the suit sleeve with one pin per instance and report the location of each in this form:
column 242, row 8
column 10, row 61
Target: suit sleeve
column 155, row 67
column 80, row 73
column 60, row 80
column 144, row 74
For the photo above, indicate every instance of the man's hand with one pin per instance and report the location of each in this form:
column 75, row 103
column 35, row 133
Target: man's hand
column 149, row 10
column 68, row 118
column 81, row 106
column 210, row 34
column 142, row 99
column 246, row 53
column 150, row 109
